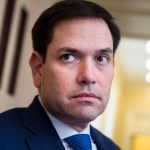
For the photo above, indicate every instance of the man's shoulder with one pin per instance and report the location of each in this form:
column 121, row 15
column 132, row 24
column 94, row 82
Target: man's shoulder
column 103, row 139
column 11, row 117
column 11, row 112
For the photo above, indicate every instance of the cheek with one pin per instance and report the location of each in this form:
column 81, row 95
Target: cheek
column 109, row 74
column 59, row 81
column 106, row 82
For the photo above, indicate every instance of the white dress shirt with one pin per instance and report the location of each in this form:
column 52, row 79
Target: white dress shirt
column 65, row 130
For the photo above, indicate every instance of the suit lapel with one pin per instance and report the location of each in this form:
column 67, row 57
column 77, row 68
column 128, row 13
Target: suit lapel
column 43, row 134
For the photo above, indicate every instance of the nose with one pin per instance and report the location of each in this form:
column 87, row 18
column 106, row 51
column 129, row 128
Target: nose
column 86, row 73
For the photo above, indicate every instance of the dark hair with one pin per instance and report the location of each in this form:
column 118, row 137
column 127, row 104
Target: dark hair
column 42, row 32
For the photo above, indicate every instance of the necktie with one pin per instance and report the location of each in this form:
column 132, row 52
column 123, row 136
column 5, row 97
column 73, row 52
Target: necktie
column 79, row 142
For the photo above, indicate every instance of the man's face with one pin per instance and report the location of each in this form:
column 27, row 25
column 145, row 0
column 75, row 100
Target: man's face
column 74, row 82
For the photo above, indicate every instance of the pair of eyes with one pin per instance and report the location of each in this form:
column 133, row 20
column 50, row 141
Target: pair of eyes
column 71, row 58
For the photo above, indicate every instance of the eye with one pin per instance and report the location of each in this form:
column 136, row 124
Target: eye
column 68, row 58
column 102, row 59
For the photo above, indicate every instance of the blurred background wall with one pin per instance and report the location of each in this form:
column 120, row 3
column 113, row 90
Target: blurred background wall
column 127, row 117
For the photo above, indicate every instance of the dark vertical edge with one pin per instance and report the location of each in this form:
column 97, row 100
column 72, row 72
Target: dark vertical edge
column 5, row 33
column 18, row 50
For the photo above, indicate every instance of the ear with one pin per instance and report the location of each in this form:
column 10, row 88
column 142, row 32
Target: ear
column 36, row 63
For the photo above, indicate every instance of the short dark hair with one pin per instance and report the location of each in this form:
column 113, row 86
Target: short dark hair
column 42, row 32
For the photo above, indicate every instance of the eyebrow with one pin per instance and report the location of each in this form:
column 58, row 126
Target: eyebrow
column 68, row 49
column 74, row 50
column 105, row 50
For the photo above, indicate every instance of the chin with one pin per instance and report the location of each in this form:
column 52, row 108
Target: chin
column 87, row 117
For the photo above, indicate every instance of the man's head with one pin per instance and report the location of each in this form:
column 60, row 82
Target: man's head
column 72, row 65
column 43, row 30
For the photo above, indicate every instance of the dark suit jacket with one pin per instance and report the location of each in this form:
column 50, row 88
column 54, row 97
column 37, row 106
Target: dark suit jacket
column 30, row 129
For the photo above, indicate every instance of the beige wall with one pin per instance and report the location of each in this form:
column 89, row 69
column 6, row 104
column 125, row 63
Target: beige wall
column 24, row 88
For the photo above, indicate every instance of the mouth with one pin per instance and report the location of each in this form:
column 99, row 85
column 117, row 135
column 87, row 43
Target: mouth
column 86, row 95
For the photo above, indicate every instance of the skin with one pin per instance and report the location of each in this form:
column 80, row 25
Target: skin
column 75, row 79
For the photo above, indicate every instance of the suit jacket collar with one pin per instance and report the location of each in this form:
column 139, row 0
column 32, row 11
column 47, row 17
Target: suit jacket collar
column 44, row 135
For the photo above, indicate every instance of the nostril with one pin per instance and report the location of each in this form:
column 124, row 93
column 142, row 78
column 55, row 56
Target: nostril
column 86, row 82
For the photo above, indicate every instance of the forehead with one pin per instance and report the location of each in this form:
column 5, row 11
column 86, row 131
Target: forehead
column 76, row 25
column 82, row 33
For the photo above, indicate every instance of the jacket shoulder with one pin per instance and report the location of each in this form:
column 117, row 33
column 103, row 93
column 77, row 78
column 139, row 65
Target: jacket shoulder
column 11, row 118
